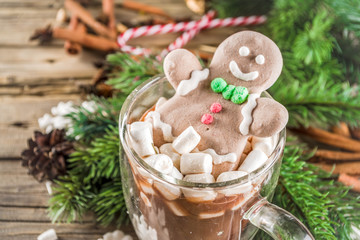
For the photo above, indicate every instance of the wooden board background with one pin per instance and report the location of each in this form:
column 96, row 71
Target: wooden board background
column 35, row 78
column 32, row 80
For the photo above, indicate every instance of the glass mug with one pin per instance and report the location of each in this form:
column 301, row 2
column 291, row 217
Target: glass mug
column 162, row 207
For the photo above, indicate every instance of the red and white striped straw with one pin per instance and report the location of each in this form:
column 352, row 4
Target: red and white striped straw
column 191, row 28
column 188, row 35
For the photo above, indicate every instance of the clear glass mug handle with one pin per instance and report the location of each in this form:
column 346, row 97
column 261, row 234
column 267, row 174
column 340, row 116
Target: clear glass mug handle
column 277, row 222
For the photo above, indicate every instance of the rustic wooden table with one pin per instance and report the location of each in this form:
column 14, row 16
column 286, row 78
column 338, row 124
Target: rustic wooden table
column 35, row 78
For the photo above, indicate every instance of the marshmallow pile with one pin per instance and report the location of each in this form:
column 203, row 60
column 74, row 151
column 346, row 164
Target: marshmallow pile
column 182, row 160
column 58, row 120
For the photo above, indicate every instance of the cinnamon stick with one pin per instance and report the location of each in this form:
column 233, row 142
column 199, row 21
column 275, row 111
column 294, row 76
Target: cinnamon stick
column 331, row 138
column 73, row 48
column 84, row 39
column 350, row 181
column 76, row 9
column 108, row 11
column 341, row 129
column 337, row 155
column 355, row 133
column 347, row 167
column 144, row 8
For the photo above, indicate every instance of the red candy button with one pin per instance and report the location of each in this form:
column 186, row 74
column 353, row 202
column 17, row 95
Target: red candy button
column 215, row 107
column 207, row 119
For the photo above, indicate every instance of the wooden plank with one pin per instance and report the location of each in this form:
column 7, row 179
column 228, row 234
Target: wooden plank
column 22, row 183
column 27, row 230
column 24, row 200
column 29, row 109
column 41, row 63
column 33, row 214
column 18, row 120
column 11, row 167
column 24, row 214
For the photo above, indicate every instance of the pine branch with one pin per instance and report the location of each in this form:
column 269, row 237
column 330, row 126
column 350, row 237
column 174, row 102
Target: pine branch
column 99, row 160
column 235, row 8
column 347, row 13
column 93, row 170
column 109, row 204
column 319, row 102
column 312, row 195
column 314, row 45
column 87, row 125
column 70, row 199
column 128, row 73
column 312, row 85
column 297, row 179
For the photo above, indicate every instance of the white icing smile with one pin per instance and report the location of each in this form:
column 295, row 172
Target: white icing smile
column 236, row 72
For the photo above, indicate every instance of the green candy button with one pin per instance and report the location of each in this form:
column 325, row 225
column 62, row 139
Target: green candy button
column 218, row 85
column 228, row 91
column 240, row 95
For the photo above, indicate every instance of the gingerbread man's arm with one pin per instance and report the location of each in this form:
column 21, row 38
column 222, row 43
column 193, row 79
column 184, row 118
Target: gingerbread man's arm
column 269, row 117
column 179, row 64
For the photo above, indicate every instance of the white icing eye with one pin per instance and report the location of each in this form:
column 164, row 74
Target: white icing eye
column 244, row 51
column 260, row 59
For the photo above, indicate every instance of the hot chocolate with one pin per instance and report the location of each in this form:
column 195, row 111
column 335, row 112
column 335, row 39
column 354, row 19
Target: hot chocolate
column 216, row 128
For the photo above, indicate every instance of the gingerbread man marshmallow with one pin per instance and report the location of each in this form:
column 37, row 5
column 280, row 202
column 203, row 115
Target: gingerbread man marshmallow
column 222, row 103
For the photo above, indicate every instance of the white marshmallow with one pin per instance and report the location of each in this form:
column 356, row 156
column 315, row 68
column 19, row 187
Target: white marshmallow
column 116, row 235
column 147, row 188
column 170, row 151
column 218, row 159
column 48, row 235
column 176, row 209
column 145, row 199
column 267, row 145
column 127, row 237
column 199, row 195
column 196, row 163
column 255, row 159
column 145, row 175
column 176, row 173
column 207, row 215
column 200, row 178
column 160, row 162
column 166, row 129
column 168, row 191
column 48, row 187
column 231, row 175
column 142, row 138
column 186, row 141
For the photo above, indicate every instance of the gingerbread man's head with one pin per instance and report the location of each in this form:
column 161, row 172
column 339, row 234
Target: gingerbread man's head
column 249, row 59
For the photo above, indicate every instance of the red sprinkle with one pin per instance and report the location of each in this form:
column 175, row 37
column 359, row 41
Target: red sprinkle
column 215, row 107
column 207, row 119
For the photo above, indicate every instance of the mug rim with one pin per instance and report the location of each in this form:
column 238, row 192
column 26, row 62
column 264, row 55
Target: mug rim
column 130, row 152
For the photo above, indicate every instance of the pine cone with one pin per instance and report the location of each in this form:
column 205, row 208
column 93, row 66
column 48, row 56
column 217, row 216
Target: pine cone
column 47, row 155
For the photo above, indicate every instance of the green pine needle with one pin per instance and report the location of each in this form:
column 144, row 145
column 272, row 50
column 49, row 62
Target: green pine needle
column 109, row 204
column 70, row 200
column 94, row 172
column 324, row 205
column 99, row 160
column 88, row 125
column 128, row 73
